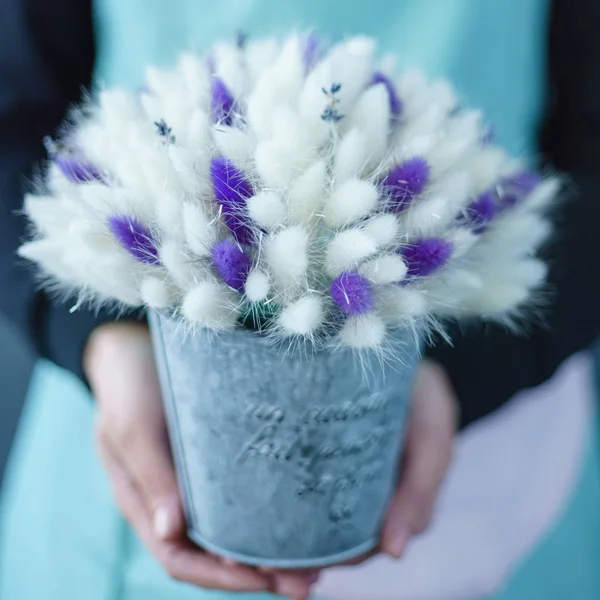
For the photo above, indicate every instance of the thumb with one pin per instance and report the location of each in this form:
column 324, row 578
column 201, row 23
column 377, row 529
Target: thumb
column 132, row 425
column 138, row 442
column 149, row 463
column 428, row 452
column 134, row 432
column 144, row 456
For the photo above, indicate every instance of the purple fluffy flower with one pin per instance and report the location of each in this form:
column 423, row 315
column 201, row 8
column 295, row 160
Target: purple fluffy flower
column 209, row 60
column 424, row 257
column 231, row 263
column 238, row 224
column 311, row 52
column 489, row 136
column 516, row 188
column 481, row 211
column 241, row 40
column 135, row 237
column 77, row 171
column 232, row 189
column 223, row 104
column 405, row 181
column 395, row 102
column 352, row 293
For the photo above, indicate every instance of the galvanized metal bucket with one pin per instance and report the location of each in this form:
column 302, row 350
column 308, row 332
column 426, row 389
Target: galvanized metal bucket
column 283, row 461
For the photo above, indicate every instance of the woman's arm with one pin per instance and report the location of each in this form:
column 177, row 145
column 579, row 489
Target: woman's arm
column 488, row 365
column 46, row 60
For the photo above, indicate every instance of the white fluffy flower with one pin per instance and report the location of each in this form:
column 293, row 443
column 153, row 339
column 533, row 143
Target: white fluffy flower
column 287, row 254
column 307, row 193
column 200, row 230
column 280, row 180
column 257, row 286
column 351, row 155
column 302, row 317
column 267, row 209
column 210, row 304
column 363, row 332
column 387, row 268
column 158, row 293
column 351, row 201
column 347, row 250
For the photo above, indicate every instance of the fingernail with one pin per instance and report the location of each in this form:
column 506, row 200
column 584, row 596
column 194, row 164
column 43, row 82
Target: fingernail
column 395, row 547
column 164, row 522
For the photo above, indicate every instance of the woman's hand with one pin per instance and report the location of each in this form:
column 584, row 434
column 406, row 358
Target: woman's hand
column 427, row 456
column 134, row 447
column 133, row 443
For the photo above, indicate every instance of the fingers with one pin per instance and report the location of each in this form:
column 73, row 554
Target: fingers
column 293, row 584
column 132, row 424
column 186, row 563
column 148, row 460
column 428, row 453
column 180, row 559
column 133, row 443
column 125, row 493
column 145, row 456
column 290, row 585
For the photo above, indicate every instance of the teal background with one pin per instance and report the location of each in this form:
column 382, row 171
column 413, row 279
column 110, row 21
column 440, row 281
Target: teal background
column 492, row 50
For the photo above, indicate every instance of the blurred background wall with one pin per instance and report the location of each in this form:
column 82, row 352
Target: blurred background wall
column 16, row 362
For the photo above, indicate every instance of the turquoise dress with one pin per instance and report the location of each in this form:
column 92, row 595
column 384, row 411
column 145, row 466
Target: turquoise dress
column 63, row 538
